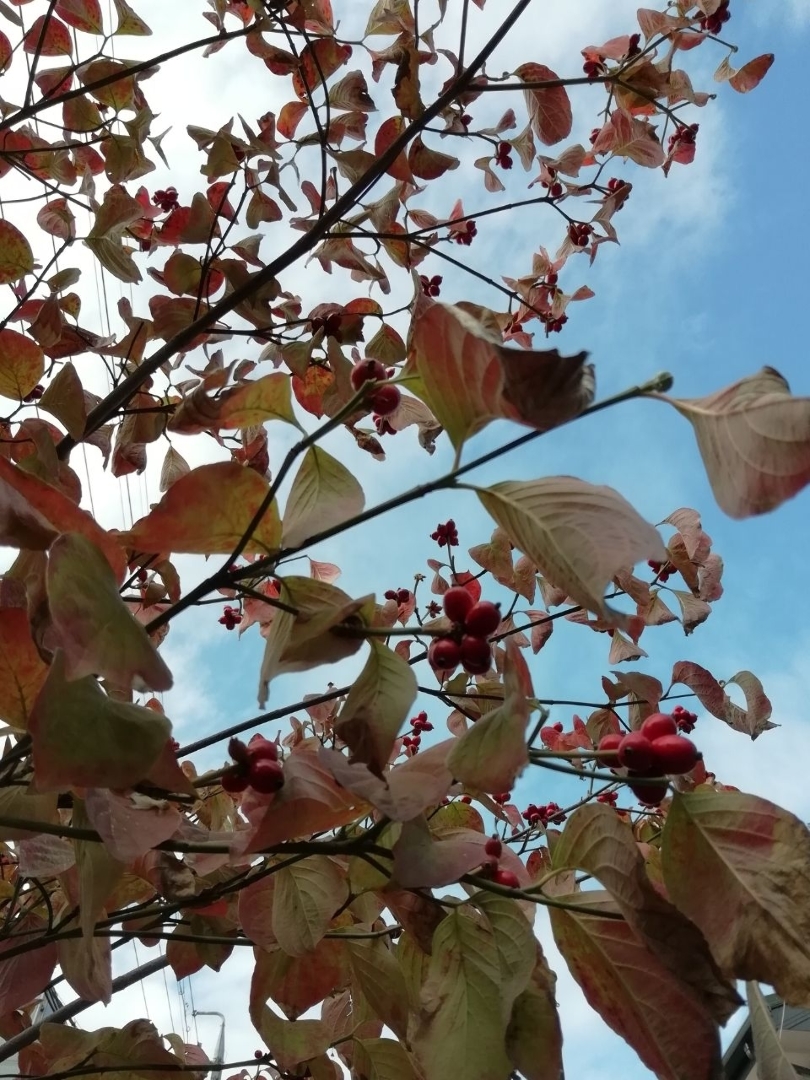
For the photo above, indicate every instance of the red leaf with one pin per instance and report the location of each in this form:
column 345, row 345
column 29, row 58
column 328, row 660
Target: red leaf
column 24, row 977
column 316, row 63
column 751, row 74
column 389, row 131
column 55, row 40
column 81, row 14
column 752, row 720
column 549, row 110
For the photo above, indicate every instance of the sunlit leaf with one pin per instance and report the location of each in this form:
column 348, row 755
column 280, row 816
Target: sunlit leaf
column 324, row 493
column 16, row 257
column 306, row 896
column 770, row 1053
column 549, row 110
column 22, row 670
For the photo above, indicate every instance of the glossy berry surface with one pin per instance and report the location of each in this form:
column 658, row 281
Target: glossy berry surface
column 658, row 725
column 507, row 878
column 259, row 748
column 636, row 751
column 482, row 619
column 234, row 781
column 444, row 654
column 367, row 371
column 457, row 603
column 650, row 794
column 675, row 754
column 493, row 847
column 476, row 655
column 386, row 400
column 266, row 776
column 609, row 742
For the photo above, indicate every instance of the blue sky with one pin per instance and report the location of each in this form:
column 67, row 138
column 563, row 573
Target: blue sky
column 709, row 283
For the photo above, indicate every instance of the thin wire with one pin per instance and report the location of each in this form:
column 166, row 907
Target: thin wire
column 166, row 984
column 194, row 1011
column 143, row 987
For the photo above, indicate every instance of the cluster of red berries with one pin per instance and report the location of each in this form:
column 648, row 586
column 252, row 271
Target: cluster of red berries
column 167, row 200
column 683, row 136
column 386, row 398
column 255, row 765
column 684, row 719
column 466, row 236
column 653, row 752
column 419, row 723
column 549, row 814
column 609, row 798
column 402, row 596
column 579, row 233
column 614, row 185
column 230, row 617
column 467, row 645
column 431, row 286
column 502, row 798
column 713, row 23
column 330, row 325
column 503, row 155
column 446, row 535
column 35, row 394
column 494, row 849
column 553, row 324
column 555, row 188
column 662, row 570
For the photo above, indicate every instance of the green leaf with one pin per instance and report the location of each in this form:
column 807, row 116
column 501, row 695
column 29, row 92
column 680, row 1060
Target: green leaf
column 96, row 630
column 207, row 512
column 64, row 399
column 22, row 670
column 578, row 535
column 240, row 407
column 492, row 753
column 377, row 706
column 306, row 896
column 382, row 1059
column 380, row 978
column 514, row 941
column 461, row 1030
column 98, row 873
column 16, row 257
column 533, row 1037
column 634, row 993
column 17, row 802
column 738, row 866
column 323, row 494
column 290, row 1041
column 22, row 364
column 82, row 738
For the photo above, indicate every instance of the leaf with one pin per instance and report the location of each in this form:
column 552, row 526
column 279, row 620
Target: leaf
column 306, row 896
column 83, row 738
column 130, row 825
column 515, row 943
column 377, row 707
column 93, row 626
column 750, row 75
column 24, row 977
column 492, row 753
column 754, row 438
column 752, row 720
column 57, row 218
column 770, row 1055
column 380, row 978
column 128, row 22
column 22, row 363
column 292, row 1041
column 382, row 1059
column 207, row 512
column 17, row 802
column 309, row 802
column 468, row 377
column 533, row 1037
column 598, row 842
column 240, row 407
column 577, row 534
column 16, row 257
column 323, row 494
column 738, row 866
column 64, row 399
column 48, row 37
column 549, row 110
column 174, row 466
column 81, row 14
column 634, row 993
column 22, row 671
column 460, row 1031
column 28, row 503
column 297, row 983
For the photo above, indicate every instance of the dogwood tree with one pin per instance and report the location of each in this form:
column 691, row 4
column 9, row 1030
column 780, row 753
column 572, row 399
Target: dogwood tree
column 373, row 858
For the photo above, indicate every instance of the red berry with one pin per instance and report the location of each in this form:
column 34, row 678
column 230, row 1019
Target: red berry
column 675, row 755
column 650, row 794
column 457, row 603
column 476, row 655
column 444, row 654
column 260, row 748
column 385, row 400
column 266, row 776
column 556, row 190
column 557, row 726
column 493, row 847
column 234, row 781
column 551, row 277
column 466, row 799
column 636, row 751
column 609, row 742
column 367, row 371
column 507, row 878
column 658, row 725
column 483, row 619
